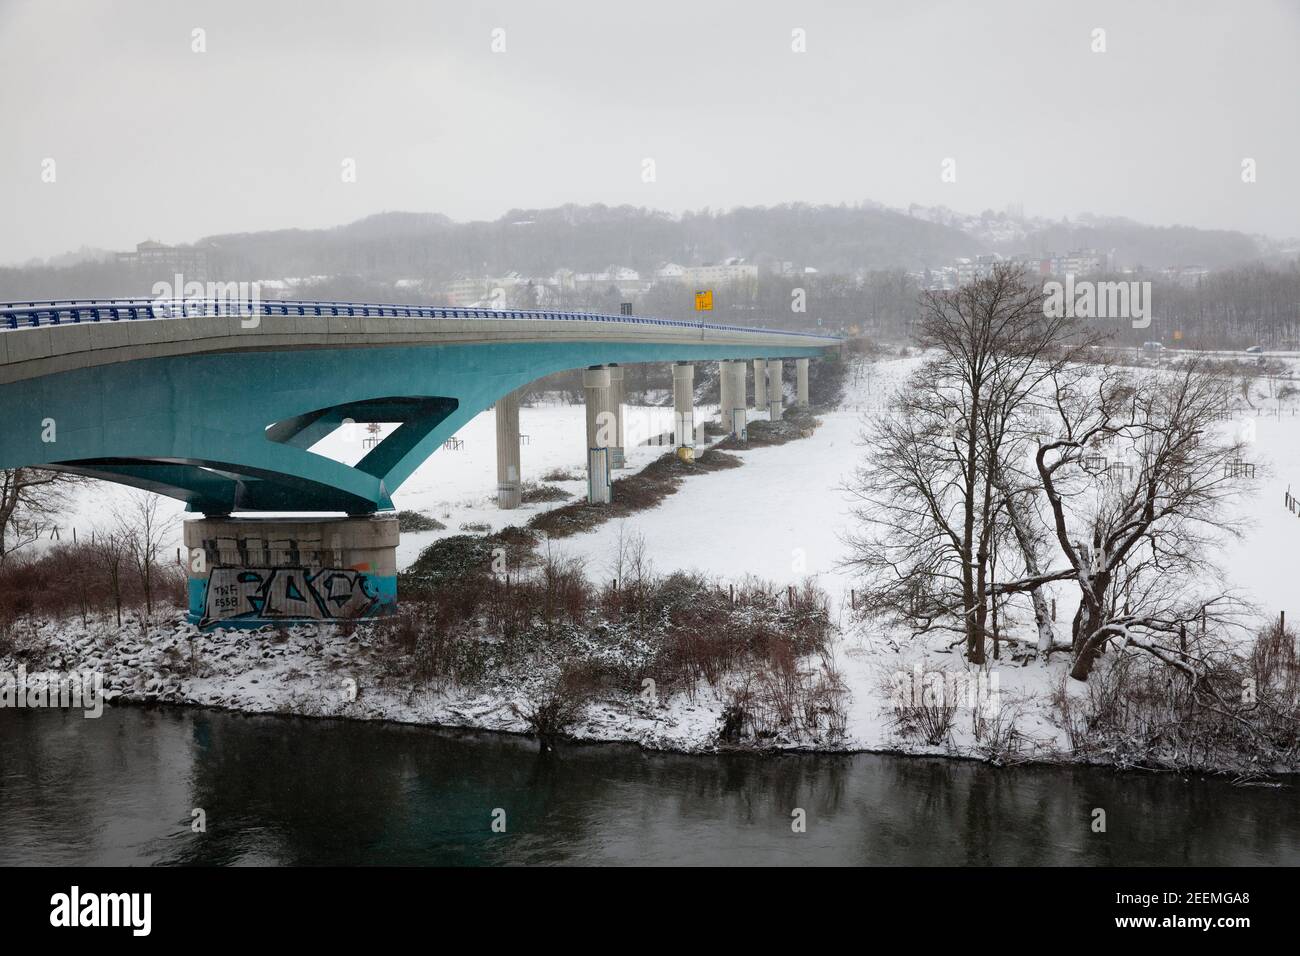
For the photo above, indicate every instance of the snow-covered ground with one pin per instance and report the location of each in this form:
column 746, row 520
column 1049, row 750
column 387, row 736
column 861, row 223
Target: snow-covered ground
column 780, row 517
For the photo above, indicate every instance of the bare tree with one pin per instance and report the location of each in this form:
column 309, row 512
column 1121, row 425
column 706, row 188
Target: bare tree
column 29, row 499
column 144, row 532
column 1030, row 540
column 1140, row 535
column 939, row 473
column 112, row 549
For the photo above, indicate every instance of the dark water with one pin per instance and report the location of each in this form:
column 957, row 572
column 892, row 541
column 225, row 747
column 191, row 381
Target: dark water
column 120, row 790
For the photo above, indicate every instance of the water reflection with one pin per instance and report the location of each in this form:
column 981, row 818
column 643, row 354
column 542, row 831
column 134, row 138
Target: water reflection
column 120, row 790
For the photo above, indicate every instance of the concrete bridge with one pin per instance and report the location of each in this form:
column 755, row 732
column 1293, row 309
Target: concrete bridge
column 218, row 404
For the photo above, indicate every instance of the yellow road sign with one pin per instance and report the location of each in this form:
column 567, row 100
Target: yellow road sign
column 704, row 301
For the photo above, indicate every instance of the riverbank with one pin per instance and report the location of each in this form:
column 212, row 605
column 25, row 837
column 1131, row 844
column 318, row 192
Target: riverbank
column 356, row 674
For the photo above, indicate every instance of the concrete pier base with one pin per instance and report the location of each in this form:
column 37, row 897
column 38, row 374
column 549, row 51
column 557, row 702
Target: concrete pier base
column 600, row 432
column 775, row 392
column 801, row 382
column 247, row 572
column 684, row 410
column 508, row 480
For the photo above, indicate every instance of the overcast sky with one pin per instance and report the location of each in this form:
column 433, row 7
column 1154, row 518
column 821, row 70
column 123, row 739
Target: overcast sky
column 152, row 140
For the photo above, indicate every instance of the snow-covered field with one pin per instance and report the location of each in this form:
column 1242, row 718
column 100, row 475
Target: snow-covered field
column 780, row 517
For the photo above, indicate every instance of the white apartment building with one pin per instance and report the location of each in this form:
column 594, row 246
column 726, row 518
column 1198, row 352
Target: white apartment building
column 733, row 270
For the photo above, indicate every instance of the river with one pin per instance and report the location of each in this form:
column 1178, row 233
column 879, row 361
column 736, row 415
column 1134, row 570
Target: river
column 122, row 790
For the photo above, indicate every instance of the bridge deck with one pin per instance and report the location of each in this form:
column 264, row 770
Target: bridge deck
column 42, row 338
column 221, row 409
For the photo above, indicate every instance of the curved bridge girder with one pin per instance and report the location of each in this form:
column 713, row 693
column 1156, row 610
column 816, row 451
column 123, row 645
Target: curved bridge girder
column 230, row 431
column 216, row 488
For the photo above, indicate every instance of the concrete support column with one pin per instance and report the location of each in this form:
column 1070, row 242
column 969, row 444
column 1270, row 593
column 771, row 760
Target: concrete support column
column 760, row 383
column 775, row 393
column 724, row 390
column 801, row 379
column 600, row 433
column 616, row 397
column 738, row 418
column 684, row 410
column 508, row 482
column 246, row 572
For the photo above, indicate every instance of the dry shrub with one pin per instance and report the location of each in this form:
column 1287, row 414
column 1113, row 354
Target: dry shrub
column 557, row 706
column 71, row 580
column 415, row 642
column 780, row 695
column 1274, row 664
column 563, row 594
column 418, row 521
column 796, row 423
column 637, row 492
column 925, row 717
column 711, row 632
column 997, row 738
column 1241, row 713
column 532, row 492
column 461, row 622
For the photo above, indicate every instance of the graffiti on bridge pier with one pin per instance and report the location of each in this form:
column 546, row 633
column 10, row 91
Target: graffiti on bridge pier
column 323, row 594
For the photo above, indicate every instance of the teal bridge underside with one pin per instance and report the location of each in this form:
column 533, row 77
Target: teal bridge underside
column 230, row 431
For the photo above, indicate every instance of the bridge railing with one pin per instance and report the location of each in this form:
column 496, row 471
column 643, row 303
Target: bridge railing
column 21, row 315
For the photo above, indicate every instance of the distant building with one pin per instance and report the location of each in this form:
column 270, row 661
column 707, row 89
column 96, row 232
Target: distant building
column 1077, row 262
column 980, row 267
column 627, row 281
column 1080, row 262
column 465, row 290
column 733, row 270
column 161, row 260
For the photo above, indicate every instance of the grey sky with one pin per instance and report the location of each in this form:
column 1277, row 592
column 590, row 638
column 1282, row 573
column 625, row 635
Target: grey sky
column 152, row 140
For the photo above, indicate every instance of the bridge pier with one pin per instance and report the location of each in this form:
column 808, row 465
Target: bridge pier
column 724, row 392
column 616, row 396
column 801, row 380
column 737, row 418
column 760, row 383
column 508, row 480
column 775, row 393
column 247, row 572
column 684, row 410
column 600, row 428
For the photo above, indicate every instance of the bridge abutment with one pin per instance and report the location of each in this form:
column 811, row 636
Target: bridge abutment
column 247, row 572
